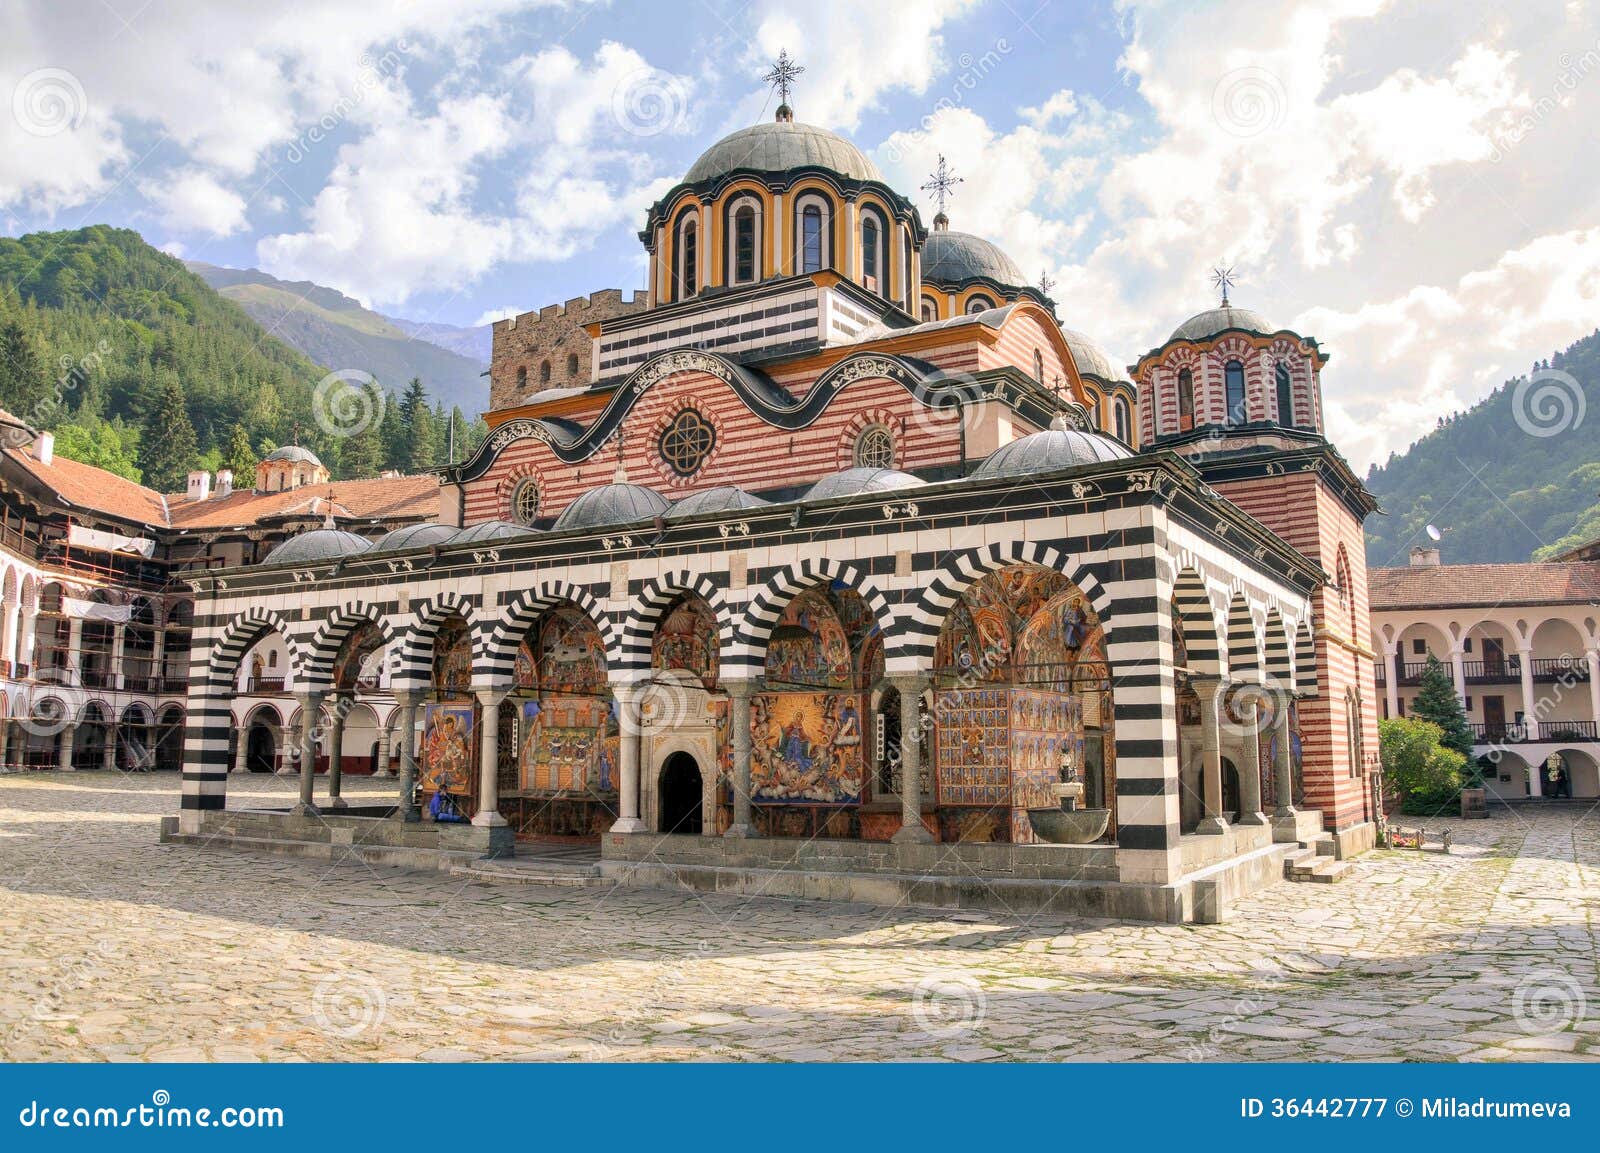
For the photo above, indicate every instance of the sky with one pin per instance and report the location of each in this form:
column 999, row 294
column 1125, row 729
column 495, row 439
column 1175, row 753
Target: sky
column 1411, row 183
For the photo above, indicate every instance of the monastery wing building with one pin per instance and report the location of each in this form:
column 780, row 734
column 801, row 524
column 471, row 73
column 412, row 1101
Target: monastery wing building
column 834, row 565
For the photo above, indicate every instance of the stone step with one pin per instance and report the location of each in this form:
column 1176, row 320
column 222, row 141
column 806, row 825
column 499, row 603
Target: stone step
column 1325, row 872
column 570, row 874
column 1299, row 862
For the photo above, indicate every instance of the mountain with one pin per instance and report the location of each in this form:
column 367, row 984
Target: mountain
column 472, row 343
column 1517, row 474
column 334, row 330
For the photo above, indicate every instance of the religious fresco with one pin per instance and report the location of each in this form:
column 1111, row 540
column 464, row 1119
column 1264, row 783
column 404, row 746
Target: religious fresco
column 360, row 659
column 686, row 639
column 981, row 631
column 452, row 658
column 808, row 646
column 806, row 749
column 571, row 656
column 447, row 749
column 1046, row 737
column 973, row 745
column 1048, row 645
column 568, row 744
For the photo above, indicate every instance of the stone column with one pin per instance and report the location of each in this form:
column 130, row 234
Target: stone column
column 1536, row 779
column 108, row 755
column 912, row 831
column 5, row 743
column 337, row 711
column 119, row 644
column 1250, row 776
column 74, row 651
column 628, row 820
column 1209, row 690
column 1391, row 684
column 286, row 754
column 1530, row 702
column 310, row 722
column 69, row 736
column 407, row 699
column 1458, row 673
column 10, row 625
column 739, row 694
column 382, row 767
column 1283, row 770
column 158, row 660
column 1593, row 657
column 488, row 814
column 241, row 751
column 26, row 632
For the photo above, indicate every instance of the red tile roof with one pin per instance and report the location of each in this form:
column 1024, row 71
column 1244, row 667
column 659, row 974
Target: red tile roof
column 1443, row 586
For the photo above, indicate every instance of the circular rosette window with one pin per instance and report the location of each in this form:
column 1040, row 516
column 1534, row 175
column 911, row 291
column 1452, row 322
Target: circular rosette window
column 686, row 442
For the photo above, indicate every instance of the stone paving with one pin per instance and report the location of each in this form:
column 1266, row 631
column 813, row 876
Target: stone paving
column 115, row 947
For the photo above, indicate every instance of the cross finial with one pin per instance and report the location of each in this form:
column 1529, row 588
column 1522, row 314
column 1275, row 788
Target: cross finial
column 782, row 77
column 1222, row 279
column 1046, row 282
column 943, row 183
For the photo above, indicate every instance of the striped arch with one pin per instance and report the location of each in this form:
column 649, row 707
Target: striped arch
column 496, row 648
column 748, row 654
column 650, row 606
column 413, row 666
column 1275, row 649
column 330, row 638
column 222, row 666
column 965, row 569
column 1244, row 646
column 1193, row 607
column 1305, row 660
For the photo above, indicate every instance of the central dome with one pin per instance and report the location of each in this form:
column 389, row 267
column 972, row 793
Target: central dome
column 779, row 147
column 956, row 257
column 1205, row 325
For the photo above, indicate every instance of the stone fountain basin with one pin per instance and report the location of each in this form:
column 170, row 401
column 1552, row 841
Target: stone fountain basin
column 1079, row 827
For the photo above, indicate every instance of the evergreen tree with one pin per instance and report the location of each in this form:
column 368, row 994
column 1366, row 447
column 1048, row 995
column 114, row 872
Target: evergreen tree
column 240, row 457
column 361, row 455
column 416, row 447
column 167, row 447
column 24, row 388
column 1438, row 704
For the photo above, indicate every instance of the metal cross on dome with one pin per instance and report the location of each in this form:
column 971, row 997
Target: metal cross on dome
column 783, row 75
column 1223, row 279
column 943, row 183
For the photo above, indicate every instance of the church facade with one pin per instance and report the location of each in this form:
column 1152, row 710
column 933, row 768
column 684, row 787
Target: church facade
column 841, row 568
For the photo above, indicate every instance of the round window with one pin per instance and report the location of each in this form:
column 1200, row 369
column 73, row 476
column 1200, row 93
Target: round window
column 525, row 501
column 875, row 448
column 687, row 441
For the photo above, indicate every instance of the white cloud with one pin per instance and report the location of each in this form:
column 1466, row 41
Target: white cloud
column 503, row 313
column 194, row 201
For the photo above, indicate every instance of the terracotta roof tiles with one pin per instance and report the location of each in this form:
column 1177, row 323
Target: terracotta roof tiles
column 1441, row 586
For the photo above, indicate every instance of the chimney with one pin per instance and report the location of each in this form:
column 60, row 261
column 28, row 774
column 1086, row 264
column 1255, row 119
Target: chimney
column 1425, row 557
column 224, row 482
column 44, row 448
column 199, row 485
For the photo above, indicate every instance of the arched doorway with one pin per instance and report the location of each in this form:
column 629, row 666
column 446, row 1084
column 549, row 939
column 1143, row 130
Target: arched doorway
column 261, row 750
column 1230, row 790
column 681, row 789
column 169, row 739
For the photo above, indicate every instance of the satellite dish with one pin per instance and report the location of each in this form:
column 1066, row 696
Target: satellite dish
column 1435, row 533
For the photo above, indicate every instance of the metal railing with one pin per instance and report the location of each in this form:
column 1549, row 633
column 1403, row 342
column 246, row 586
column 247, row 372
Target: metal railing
column 1522, row 732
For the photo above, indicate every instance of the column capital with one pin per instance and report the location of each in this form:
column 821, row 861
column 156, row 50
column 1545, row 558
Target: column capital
column 491, row 697
column 408, row 698
column 1206, row 687
column 738, row 686
column 915, row 683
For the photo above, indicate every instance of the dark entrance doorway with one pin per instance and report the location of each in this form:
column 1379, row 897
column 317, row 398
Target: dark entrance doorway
column 1230, row 790
column 261, row 752
column 680, row 795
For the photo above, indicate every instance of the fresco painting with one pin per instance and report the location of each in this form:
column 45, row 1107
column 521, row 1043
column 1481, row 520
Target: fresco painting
column 452, row 659
column 808, row 646
column 973, row 740
column 1046, row 735
column 571, row 657
column 806, row 749
column 687, row 639
column 568, row 744
column 360, row 660
column 447, row 748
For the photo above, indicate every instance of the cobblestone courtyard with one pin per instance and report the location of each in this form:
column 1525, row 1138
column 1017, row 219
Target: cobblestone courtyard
column 115, row 947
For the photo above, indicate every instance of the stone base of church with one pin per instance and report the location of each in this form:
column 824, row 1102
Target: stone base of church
column 1354, row 840
column 370, row 833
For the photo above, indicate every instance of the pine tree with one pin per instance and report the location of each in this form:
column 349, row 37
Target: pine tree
column 1437, row 702
column 416, row 448
column 167, row 446
column 240, row 457
column 24, row 388
column 361, row 455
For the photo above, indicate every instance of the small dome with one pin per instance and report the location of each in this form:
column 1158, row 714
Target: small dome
column 414, row 536
column 293, row 452
column 955, row 257
column 854, row 481
column 780, row 147
column 489, row 530
column 619, row 503
column 1050, row 451
column 1205, row 325
column 727, row 498
column 319, row 544
column 1090, row 358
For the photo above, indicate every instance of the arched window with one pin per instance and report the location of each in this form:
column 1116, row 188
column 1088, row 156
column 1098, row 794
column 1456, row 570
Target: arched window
column 1185, row 400
column 1119, row 412
column 813, row 238
column 874, row 448
column 525, row 501
column 544, row 372
column 873, row 266
column 930, row 310
column 1094, row 407
column 1285, row 395
column 522, row 377
column 688, row 257
column 744, row 244
column 1038, row 366
column 572, row 364
column 1233, row 379
column 979, row 304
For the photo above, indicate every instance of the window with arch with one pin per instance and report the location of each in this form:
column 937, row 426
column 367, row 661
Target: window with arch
column 979, row 304
column 1093, row 401
column 744, row 244
column 572, row 364
column 687, row 441
column 1233, row 384
column 873, row 266
column 812, row 234
column 522, row 376
column 1285, row 395
column 688, row 257
column 1122, row 419
column 874, row 447
column 525, row 501
column 1185, row 400
column 930, row 310
column 544, row 372
column 1038, row 366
